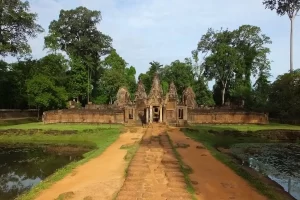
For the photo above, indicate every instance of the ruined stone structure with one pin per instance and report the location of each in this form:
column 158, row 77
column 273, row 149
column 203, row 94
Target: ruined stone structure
column 155, row 107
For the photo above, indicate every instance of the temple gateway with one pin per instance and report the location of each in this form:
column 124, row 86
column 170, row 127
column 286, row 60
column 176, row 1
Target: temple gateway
column 154, row 107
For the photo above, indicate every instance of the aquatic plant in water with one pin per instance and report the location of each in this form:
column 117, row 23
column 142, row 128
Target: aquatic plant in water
column 280, row 162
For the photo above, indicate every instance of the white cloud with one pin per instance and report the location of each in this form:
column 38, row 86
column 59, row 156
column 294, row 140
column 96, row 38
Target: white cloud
column 166, row 30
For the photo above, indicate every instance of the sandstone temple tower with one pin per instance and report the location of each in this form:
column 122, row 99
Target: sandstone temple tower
column 156, row 107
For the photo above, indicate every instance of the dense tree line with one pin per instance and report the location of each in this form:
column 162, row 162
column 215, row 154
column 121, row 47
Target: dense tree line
column 82, row 64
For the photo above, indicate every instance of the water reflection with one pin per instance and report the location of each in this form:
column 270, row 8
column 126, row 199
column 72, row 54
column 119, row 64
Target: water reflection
column 23, row 167
column 280, row 162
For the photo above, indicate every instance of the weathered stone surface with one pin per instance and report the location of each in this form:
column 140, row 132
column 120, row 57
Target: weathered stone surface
column 226, row 117
column 156, row 92
column 83, row 116
column 172, row 94
column 140, row 93
column 123, row 97
column 189, row 98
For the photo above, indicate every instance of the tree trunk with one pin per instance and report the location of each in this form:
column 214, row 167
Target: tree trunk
column 223, row 96
column 38, row 113
column 291, row 45
column 88, row 89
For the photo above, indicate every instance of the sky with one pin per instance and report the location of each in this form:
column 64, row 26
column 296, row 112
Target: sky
column 167, row 30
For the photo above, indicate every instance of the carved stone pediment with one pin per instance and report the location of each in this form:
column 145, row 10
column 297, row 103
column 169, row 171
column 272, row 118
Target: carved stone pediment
column 140, row 93
column 172, row 94
column 156, row 92
column 123, row 97
column 188, row 98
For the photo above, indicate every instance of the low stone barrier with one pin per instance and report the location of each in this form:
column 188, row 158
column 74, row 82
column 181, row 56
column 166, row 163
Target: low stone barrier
column 115, row 116
column 197, row 116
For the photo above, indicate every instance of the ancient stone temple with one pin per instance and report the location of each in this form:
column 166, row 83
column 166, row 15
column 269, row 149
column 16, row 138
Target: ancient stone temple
column 155, row 107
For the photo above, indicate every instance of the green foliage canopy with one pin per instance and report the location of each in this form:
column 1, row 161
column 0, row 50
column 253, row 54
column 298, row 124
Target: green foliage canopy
column 17, row 24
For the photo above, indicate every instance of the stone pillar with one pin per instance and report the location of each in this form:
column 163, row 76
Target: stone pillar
column 165, row 114
column 185, row 113
column 133, row 114
column 126, row 115
column 147, row 115
column 151, row 117
column 160, row 114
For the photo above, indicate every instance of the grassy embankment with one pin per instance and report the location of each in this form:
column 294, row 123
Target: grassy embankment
column 13, row 121
column 212, row 141
column 97, row 136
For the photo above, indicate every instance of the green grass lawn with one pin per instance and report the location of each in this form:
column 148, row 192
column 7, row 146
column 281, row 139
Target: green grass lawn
column 97, row 136
column 9, row 122
column 248, row 127
column 40, row 125
column 202, row 133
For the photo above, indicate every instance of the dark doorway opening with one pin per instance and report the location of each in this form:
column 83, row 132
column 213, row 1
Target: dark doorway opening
column 142, row 116
column 180, row 113
column 156, row 114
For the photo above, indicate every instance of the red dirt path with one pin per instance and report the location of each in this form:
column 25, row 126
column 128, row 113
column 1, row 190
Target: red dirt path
column 213, row 179
column 154, row 172
column 98, row 179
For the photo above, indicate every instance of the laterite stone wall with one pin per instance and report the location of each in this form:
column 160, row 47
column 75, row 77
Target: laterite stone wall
column 226, row 117
column 84, row 116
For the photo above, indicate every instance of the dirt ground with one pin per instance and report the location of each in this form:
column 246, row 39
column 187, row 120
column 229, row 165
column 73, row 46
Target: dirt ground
column 154, row 172
column 211, row 178
column 100, row 178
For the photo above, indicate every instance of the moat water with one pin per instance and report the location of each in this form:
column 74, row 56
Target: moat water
column 280, row 162
column 22, row 167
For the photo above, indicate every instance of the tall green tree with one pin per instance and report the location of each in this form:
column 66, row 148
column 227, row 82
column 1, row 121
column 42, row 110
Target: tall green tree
column 221, row 65
column 203, row 95
column 17, row 75
column 249, row 45
column 6, row 88
column 77, row 76
column 46, row 85
column 76, row 33
column 260, row 94
column 147, row 78
column 130, row 73
column 54, row 66
column 222, row 59
column 285, row 96
column 181, row 73
column 45, row 94
column 17, row 24
column 289, row 8
column 116, row 74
